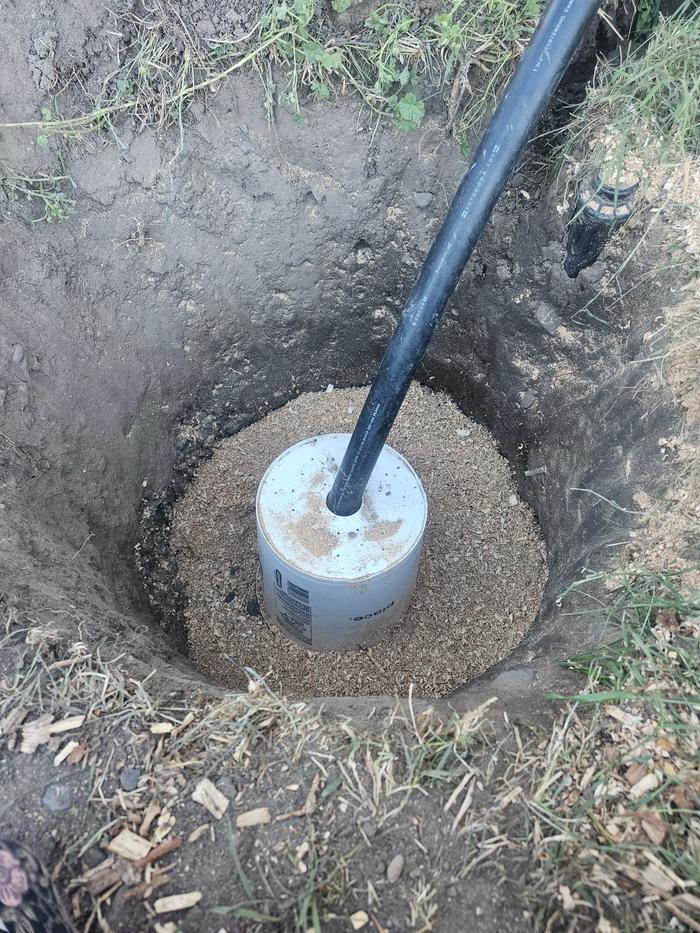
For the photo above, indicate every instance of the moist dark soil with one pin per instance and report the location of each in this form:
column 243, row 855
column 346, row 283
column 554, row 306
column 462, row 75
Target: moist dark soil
column 480, row 581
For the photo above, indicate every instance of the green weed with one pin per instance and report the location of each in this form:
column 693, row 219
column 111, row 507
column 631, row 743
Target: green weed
column 651, row 99
column 43, row 193
column 394, row 62
column 619, row 799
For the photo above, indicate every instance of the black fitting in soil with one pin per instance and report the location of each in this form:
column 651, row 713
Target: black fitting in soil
column 538, row 73
column 600, row 209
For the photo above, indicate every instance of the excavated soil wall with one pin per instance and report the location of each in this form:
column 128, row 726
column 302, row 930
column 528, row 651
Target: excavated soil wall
column 188, row 296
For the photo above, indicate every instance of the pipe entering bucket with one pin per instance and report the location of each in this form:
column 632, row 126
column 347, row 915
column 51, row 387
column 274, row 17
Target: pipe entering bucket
column 335, row 582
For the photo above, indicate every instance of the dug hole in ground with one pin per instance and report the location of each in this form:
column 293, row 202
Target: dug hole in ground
column 221, row 291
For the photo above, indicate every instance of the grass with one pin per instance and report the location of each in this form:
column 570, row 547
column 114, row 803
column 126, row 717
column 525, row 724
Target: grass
column 44, row 194
column 617, row 804
column 650, row 101
column 395, row 62
column 600, row 816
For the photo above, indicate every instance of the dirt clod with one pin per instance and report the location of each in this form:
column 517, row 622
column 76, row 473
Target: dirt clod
column 479, row 585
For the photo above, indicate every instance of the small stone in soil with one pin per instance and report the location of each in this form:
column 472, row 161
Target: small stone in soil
column 528, row 400
column 129, row 778
column 57, row 797
column 394, row 869
column 422, row 198
column 546, row 317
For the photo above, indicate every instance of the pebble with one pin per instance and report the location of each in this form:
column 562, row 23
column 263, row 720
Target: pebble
column 394, row 869
column 17, row 353
column 513, row 500
column 528, row 400
column 93, row 857
column 546, row 316
column 423, row 198
column 129, row 778
column 57, row 797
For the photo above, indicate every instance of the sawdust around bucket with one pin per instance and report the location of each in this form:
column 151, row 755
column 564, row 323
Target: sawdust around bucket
column 479, row 585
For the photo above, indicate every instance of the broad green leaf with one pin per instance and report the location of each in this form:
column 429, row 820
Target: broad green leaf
column 409, row 112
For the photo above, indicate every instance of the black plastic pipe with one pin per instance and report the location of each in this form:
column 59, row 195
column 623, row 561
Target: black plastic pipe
column 553, row 43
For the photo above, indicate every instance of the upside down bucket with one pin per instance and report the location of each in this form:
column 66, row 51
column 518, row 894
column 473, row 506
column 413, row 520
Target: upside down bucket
column 335, row 582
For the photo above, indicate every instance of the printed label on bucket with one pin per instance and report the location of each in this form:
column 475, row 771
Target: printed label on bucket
column 293, row 609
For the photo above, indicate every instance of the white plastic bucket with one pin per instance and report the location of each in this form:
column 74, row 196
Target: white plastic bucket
column 335, row 582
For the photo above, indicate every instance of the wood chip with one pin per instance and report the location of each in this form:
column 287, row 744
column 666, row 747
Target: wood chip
column 654, row 827
column 359, row 919
column 567, row 901
column 688, row 902
column 623, row 717
column 211, row 798
column 102, row 880
column 152, row 811
column 588, row 775
column 162, row 728
column 256, row 817
column 635, row 773
column 164, row 826
column 657, row 880
column 644, row 786
column 78, row 754
column 309, row 803
column 165, row 905
column 130, row 846
column 682, row 799
column 198, row 832
column 13, row 720
column 159, row 851
column 186, row 722
column 64, row 753
column 39, row 731
column 65, row 725
column 146, row 888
